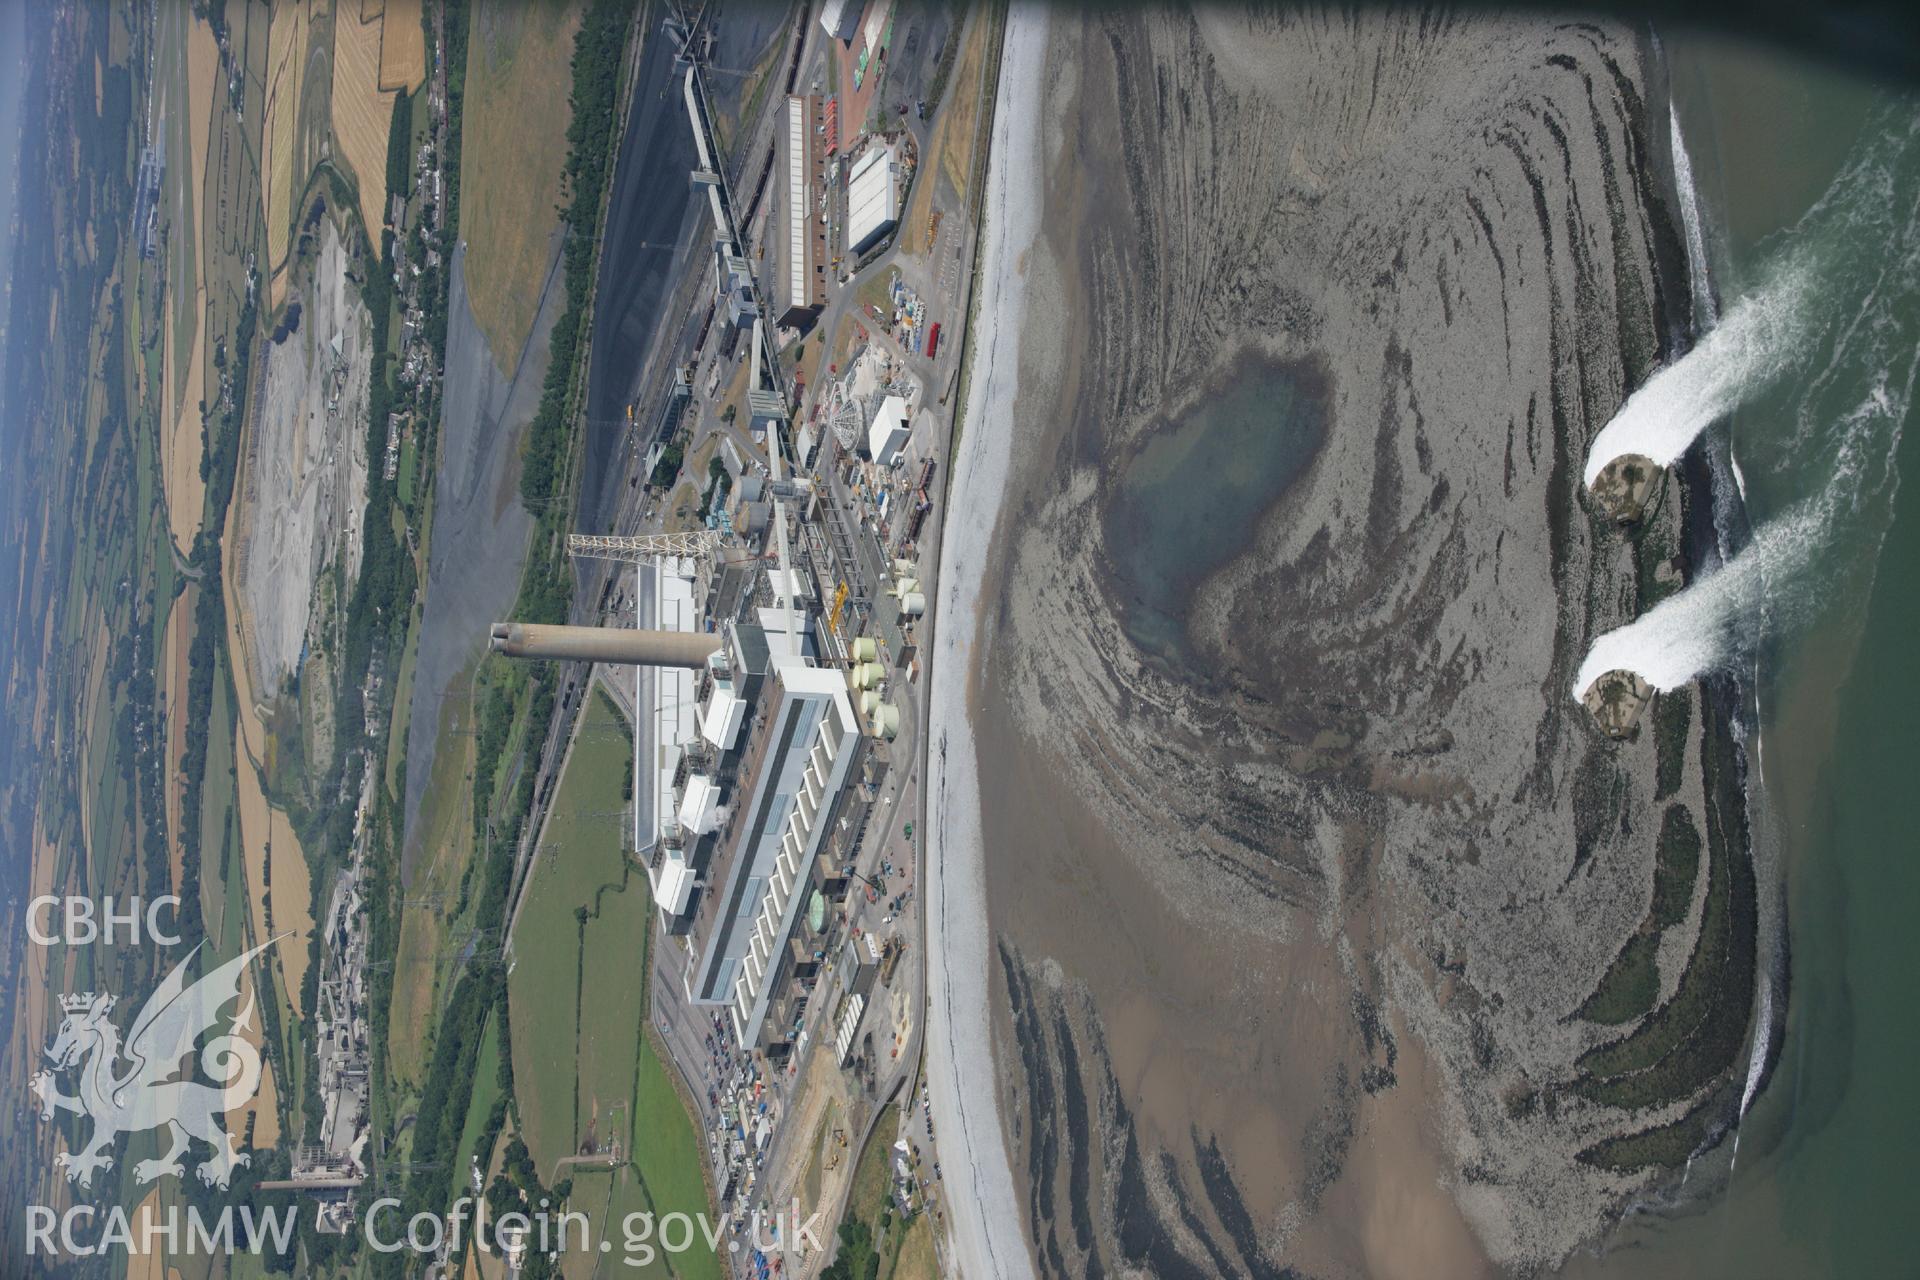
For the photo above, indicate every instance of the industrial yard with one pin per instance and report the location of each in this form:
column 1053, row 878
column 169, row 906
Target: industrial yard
column 691, row 849
column 769, row 646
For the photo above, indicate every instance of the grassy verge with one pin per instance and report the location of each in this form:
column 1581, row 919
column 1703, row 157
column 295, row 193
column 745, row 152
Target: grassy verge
column 969, row 340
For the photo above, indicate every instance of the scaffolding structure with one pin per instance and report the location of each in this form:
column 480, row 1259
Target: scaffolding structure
column 641, row 548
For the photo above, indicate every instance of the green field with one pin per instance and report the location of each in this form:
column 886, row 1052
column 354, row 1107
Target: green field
column 583, row 1066
column 403, row 474
column 663, row 1177
column 874, row 1174
column 576, row 992
column 486, row 1092
column 667, row 1154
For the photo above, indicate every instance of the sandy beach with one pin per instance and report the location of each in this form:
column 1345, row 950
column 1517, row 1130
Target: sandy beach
column 986, row 1235
column 1279, row 894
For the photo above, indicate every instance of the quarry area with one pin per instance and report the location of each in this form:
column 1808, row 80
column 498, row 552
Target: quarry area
column 304, row 468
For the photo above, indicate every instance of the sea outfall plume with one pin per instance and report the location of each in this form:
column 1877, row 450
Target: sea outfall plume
column 1857, row 334
column 1713, row 621
column 1781, row 581
column 1795, row 310
column 1735, row 360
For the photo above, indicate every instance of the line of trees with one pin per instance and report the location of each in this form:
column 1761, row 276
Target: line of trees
column 597, row 54
column 545, row 595
column 219, row 461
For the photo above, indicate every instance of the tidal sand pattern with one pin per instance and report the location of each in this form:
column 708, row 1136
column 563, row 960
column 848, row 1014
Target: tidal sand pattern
column 1330, row 935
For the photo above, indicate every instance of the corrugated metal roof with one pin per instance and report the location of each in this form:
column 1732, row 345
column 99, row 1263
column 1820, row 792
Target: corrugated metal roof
column 797, row 202
column 872, row 203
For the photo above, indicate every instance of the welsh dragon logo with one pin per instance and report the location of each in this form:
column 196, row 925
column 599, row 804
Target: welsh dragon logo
column 151, row 1090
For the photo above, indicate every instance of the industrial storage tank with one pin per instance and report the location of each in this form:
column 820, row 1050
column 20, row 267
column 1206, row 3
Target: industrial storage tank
column 869, row 699
column 885, row 720
column 867, row 674
column 913, row 603
column 866, row 649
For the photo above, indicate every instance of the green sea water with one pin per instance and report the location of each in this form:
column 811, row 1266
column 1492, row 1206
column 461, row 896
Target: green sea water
column 1821, row 1182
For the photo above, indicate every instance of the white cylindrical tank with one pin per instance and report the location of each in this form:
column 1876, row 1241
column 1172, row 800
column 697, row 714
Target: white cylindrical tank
column 869, row 699
column 913, row 603
column 885, row 720
column 906, row 586
column 867, row 674
column 866, row 649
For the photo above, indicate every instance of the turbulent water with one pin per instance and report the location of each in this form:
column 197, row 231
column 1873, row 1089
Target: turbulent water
column 1706, row 308
column 1816, row 286
column 1822, row 1187
column 1736, row 360
column 1841, row 319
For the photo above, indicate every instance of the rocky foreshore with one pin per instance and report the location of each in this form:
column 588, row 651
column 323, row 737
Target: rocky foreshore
column 1331, row 932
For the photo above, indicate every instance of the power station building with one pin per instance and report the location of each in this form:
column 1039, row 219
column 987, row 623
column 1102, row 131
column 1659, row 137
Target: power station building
column 841, row 19
column 798, row 740
column 665, row 730
column 733, row 283
column 889, row 431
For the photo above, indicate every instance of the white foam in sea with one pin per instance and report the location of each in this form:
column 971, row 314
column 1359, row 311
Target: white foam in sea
column 1834, row 330
column 1697, row 265
column 1735, row 359
column 1812, row 294
column 1709, row 623
column 1786, row 576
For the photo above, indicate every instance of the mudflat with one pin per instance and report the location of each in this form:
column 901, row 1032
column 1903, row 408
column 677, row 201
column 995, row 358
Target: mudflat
column 1321, row 933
